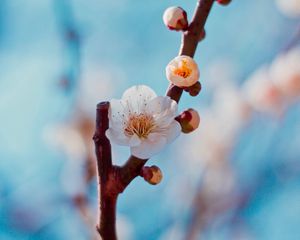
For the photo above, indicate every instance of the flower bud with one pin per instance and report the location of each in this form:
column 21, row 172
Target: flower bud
column 175, row 18
column 182, row 71
column 189, row 120
column 224, row 2
column 194, row 90
column 152, row 175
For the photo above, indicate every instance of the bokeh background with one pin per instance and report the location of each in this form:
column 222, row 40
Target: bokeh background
column 236, row 177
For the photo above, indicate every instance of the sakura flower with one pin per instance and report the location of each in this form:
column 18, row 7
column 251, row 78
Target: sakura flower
column 182, row 71
column 261, row 93
column 290, row 8
column 229, row 105
column 175, row 18
column 285, row 72
column 143, row 121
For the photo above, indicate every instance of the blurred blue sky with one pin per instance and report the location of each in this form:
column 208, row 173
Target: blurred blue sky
column 127, row 41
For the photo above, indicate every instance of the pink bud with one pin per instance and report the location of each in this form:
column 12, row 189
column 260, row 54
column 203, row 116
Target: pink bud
column 152, row 175
column 175, row 18
column 224, row 2
column 189, row 120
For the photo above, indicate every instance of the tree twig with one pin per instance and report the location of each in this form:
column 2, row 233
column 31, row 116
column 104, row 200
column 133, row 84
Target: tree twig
column 107, row 200
column 114, row 179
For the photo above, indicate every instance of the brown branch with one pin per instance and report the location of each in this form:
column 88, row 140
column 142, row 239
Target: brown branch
column 107, row 201
column 131, row 170
column 114, row 179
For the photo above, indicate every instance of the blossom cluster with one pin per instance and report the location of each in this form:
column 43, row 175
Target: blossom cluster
column 272, row 88
column 146, row 122
column 210, row 149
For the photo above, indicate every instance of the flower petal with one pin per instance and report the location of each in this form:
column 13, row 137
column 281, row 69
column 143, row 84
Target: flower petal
column 173, row 131
column 148, row 148
column 117, row 115
column 137, row 97
column 160, row 104
column 116, row 137
column 134, row 141
column 164, row 119
column 163, row 109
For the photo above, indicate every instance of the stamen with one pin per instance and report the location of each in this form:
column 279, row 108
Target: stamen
column 183, row 70
column 139, row 124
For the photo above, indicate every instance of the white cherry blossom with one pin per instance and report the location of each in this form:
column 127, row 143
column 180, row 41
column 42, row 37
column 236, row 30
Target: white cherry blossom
column 143, row 121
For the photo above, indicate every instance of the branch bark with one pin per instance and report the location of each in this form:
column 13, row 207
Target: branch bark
column 113, row 180
column 107, row 200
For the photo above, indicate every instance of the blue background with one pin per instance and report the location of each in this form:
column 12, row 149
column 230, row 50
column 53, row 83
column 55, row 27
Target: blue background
column 42, row 42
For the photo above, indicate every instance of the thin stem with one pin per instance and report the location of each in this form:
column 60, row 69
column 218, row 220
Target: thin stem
column 190, row 38
column 131, row 170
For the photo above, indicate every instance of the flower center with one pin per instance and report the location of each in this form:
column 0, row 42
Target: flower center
column 183, row 70
column 139, row 124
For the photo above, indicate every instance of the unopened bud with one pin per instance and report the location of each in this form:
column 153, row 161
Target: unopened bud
column 182, row 71
column 189, row 120
column 152, row 175
column 175, row 18
column 194, row 90
column 224, row 2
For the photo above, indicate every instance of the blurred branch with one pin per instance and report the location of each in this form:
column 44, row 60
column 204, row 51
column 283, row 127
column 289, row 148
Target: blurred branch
column 294, row 40
column 72, row 39
column 205, row 212
column 114, row 179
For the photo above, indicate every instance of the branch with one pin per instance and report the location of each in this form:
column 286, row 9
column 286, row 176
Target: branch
column 113, row 180
column 131, row 169
column 107, row 200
